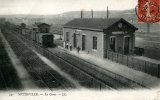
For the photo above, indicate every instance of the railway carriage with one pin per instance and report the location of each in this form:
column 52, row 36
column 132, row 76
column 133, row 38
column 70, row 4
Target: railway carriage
column 45, row 39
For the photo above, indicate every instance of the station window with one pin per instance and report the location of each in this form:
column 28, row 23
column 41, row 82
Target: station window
column 94, row 42
column 67, row 36
column 112, row 43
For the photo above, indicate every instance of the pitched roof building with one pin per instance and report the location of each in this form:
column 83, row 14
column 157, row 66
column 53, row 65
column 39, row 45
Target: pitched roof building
column 97, row 36
column 97, row 24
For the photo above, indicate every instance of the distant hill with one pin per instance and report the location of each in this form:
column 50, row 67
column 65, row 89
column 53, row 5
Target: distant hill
column 127, row 14
column 99, row 14
column 58, row 20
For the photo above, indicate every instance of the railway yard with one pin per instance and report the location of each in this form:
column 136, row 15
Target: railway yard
column 41, row 74
column 44, row 76
column 52, row 68
column 73, row 50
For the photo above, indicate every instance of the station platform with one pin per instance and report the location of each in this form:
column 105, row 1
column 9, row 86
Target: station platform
column 146, row 80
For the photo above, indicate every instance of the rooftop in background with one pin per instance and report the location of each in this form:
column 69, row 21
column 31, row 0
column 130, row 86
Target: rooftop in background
column 42, row 24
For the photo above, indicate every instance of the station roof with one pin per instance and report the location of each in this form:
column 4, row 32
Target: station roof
column 94, row 23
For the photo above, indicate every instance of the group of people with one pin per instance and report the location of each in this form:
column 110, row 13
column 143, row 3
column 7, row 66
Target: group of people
column 69, row 46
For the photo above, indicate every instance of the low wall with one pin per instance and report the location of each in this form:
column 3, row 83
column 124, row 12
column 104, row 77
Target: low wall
column 149, row 67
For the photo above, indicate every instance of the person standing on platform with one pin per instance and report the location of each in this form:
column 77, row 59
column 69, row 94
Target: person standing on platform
column 67, row 45
column 70, row 46
column 78, row 49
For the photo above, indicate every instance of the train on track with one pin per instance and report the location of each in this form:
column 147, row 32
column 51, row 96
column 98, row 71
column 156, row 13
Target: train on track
column 39, row 32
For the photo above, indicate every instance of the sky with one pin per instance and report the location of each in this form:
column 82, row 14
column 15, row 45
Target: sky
column 50, row 7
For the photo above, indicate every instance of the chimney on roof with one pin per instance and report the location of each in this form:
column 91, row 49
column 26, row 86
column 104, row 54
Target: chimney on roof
column 81, row 14
column 107, row 13
column 92, row 13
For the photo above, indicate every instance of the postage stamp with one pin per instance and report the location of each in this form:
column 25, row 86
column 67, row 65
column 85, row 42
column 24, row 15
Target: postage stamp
column 148, row 11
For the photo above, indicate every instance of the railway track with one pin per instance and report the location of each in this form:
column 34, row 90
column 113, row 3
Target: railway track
column 9, row 79
column 104, row 76
column 3, row 84
column 124, row 82
column 42, row 75
column 91, row 78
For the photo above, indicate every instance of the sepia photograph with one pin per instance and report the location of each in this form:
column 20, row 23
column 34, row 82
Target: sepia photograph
column 80, row 49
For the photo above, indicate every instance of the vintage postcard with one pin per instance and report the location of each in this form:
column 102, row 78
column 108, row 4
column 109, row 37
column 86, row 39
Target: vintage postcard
column 80, row 49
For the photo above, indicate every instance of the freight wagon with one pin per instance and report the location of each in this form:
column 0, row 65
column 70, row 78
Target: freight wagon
column 45, row 39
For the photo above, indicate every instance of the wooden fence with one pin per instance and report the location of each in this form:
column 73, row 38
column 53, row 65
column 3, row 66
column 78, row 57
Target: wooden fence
column 149, row 67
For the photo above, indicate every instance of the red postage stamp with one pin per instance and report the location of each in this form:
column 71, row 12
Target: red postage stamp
column 149, row 11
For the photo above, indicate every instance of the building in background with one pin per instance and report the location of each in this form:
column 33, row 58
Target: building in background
column 23, row 29
column 41, row 34
column 97, row 36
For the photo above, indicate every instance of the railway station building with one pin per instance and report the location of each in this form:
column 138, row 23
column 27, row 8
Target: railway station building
column 97, row 36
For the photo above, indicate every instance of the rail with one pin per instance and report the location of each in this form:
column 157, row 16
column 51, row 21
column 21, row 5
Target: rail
column 124, row 83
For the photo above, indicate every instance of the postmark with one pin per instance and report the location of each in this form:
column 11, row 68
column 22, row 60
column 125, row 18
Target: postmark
column 148, row 11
